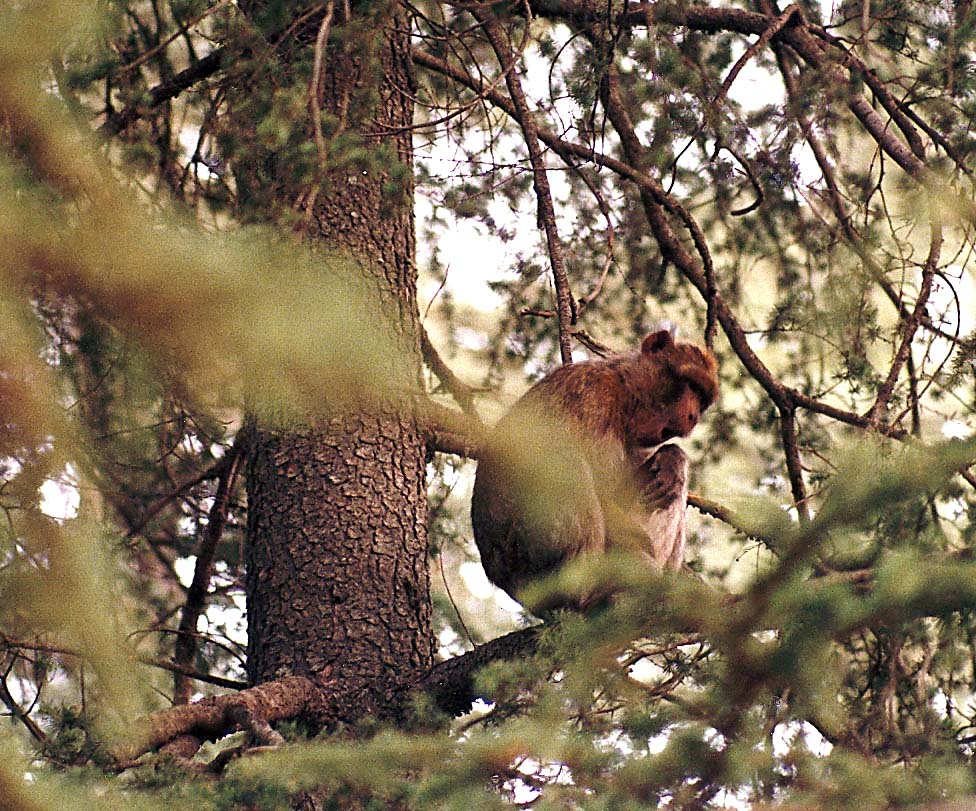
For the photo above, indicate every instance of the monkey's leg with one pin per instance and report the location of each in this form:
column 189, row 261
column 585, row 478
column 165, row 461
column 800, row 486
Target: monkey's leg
column 534, row 512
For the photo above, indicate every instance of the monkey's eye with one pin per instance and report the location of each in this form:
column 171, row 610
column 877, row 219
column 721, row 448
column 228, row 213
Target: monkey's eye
column 675, row 393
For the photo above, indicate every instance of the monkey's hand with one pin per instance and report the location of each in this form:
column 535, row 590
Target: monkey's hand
column 663, row 480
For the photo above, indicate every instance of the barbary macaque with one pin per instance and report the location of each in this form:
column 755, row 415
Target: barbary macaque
column 575, row 467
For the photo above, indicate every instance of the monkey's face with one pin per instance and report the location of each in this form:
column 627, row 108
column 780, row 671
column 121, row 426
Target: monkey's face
column 675, row 416
column 684, row 413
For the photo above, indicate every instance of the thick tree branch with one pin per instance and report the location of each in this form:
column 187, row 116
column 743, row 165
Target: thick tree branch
column 450, row 431
column 794, row 464
column 116, row 123
column 450, row 684
column 940, row 587
column 451, row 434
column 214, row 716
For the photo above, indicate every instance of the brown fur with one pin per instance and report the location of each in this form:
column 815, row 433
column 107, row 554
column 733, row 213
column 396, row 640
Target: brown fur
column 560, row 475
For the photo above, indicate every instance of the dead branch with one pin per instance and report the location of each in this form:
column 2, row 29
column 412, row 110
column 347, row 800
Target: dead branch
column 215, row 716
column 185, row 727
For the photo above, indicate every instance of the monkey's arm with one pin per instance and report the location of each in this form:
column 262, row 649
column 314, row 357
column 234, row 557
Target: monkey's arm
column 653, row 524
column 663, row 483
column 663, row 480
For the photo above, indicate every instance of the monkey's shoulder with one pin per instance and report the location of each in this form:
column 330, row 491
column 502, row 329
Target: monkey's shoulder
column 593, row 386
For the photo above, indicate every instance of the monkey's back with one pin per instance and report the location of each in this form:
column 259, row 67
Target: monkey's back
column 535, row 503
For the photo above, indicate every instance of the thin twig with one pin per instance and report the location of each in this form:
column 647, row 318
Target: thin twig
column 462, row 393
column 190, row 673
column 18, row 712
column 909, row 328
column 565, row 306
column 315, row 85
column 753, row 179
column 771, row 31
column 837, row 202
column 211, row 472
column 186, row 641
column 182, row 29
column 454, row 605
column 305, row 200
column 601, row 203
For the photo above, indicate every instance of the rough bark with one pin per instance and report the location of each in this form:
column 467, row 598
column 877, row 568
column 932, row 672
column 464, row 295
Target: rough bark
column 449, row 685
column 337, row 558
column 337, row 572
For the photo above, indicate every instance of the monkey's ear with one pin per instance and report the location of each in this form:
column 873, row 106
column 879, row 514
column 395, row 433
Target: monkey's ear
column 657, row 341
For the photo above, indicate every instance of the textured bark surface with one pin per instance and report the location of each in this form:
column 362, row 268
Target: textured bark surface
column 338, row 581
column 337, row 559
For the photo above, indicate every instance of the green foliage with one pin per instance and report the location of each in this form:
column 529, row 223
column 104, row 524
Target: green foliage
column 71, row 739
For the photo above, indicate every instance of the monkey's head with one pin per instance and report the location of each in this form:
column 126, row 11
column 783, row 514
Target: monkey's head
column 678, row 382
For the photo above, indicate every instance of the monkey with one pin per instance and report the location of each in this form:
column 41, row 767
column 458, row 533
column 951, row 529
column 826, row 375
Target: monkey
column 575, row 467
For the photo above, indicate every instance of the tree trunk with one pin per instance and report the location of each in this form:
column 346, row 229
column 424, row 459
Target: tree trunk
column 337, row 568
